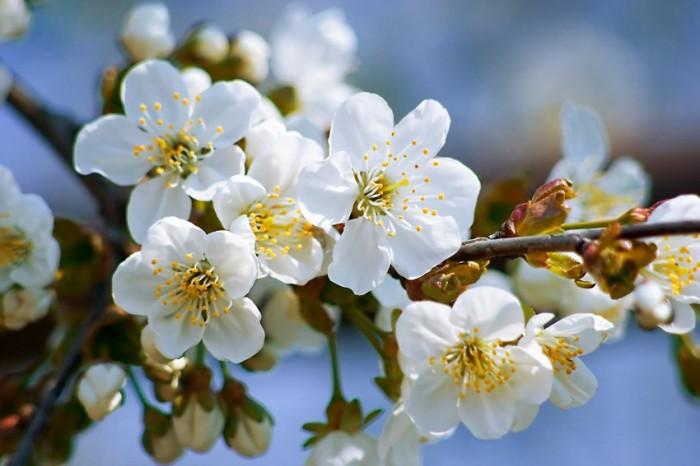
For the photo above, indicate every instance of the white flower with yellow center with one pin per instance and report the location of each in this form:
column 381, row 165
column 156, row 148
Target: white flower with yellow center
column 600, row 193
column 191, row 285
column 169, row 144
column 401, row 205
column 263, row 204
column 22, row 306
column 564, row 342
column 340, row 448
column 676, row 269
column 466, row 365
column 28, row 253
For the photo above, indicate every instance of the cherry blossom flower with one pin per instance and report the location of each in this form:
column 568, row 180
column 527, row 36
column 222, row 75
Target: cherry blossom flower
column 146, row 32
column 601, row 193
column 466, row 365
column 263, row 204
column 99, row 389
column 191, row 286
column 401, row 205
column 14, row 18
column 22, row 306
column 340, row 448
column 198, row 427
column 168, row 144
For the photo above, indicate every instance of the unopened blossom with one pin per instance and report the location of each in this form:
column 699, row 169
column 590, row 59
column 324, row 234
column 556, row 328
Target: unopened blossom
column 564, row 342
column 28, row 253
column 263, row 204
column 168, row 144
column 401, row 205
column 99, row 389
column 210, row 43
column 466, row 365
column 251, row 437
column 676, row 270
column 601, row 193
column 191, row 286
column 326, row 45
column 255, row 51
column 14, row 18
column 150, row 347
column 146, row 32
column 198, row 427
column 163, row 446
column 22, row 306
column 340, row 448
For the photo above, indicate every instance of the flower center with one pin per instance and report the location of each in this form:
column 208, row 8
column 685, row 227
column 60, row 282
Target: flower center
column 561, row 353
column 476, row 364
column 278, row 225
column 14, row 246
column 677, row 266
column 375, row 195
column 599, row 203
column 192, row 289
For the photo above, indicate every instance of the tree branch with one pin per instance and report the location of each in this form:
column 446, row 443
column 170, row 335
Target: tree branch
column 483, row 248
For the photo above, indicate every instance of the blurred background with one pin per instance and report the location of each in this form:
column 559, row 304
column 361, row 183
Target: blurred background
column 502, row 68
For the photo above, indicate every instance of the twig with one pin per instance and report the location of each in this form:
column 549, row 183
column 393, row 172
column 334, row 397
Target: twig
column 69, row 366
column 481, row 248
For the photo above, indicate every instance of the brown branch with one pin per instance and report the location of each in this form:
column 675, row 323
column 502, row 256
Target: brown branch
column 483, row 248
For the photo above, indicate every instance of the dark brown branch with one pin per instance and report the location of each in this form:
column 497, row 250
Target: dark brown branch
column 482, row 248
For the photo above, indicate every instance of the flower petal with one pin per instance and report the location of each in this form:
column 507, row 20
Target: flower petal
column 237, row 334
column 427, row 125
column 532, row 382
column 171, row 239
column 225, row 113
column 590, row 330
column 361, row 257
column 495, row 312
column 299, row 265
column 133, row 285
column 575, row 389
column 431, row 402
column 154, row 90
column 214, row 170
column 488, row 415
column 584, row 143
column 40, row 267
column 33, row 216
column 173, row 336
column 683, row 319
column 153, row 200
column 525, row 413
column 106, row 146
column 234, row 262
column 360, row 122
column 327, row 191
column 627, row 180
column 233, row 198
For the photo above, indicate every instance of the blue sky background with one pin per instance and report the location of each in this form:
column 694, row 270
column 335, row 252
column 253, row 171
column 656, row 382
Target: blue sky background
column 502, row 68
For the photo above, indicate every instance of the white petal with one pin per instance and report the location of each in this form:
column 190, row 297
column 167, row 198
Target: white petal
column 488, row 415
column 525, row 413
column 361, row 257
column 584, row 141
column 197, row 81
column 234, row 262
column 590, row 330
column 416, row 252
column 427, row 125
column 319, row 103
column 233, row 198
column 9, row 190
column 627, row 180
column 106, row 146
column 257, row 139
column 299, row 265
column 227, row 110
column 391, row 294
column 40, row 267
column 237, row 334
column 32, row 215
column 684, row 207
column 241, row 227
column 214, row 170
column 424, row 331
column 361, row 121
column 327, row 191
column 155, row 82
column 495, row 312
column 133, row 285
column 173, row 336
column 532, row 382
column 575, row 389
column 496, row 279
column 153, row 200
column 432, row 402
column 171, row 238
column 683, row 319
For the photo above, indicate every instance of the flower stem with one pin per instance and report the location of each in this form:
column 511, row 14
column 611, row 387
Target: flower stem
column 224, row 369
column 140, row 394
column 201, row 353
column 365, row 326
column 592, row 224
column 335, row 369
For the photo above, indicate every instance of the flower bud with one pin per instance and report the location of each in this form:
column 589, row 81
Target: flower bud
column 544, row 213
column 248, row 424
column 159, row 438
column 148, row 343
column 652, row 305
column 209, row 43
column 14, row 18
column 166, row 377
column 146, row 32
column 22, row 306
column 99, row 390
column 254, row 52
column 446, row 282
column 197, row 419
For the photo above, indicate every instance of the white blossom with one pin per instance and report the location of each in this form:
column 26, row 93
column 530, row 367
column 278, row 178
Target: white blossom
column 676, row 269
column 197, row 427
column 146, row 32
column 340, row 448
column 600, row 193
column 313, row 53
column 466, row 366
column 99, row 389
column 165, row 448
column 191, row 286
column 29, row 255
column 256, row 52
column 14, row 18
column 401, row 205
column 22, row 306
column 263, row 204
column 251, row 438
column 210, row 43
column 169, row 144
